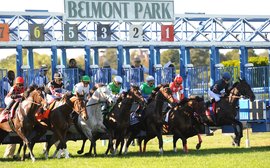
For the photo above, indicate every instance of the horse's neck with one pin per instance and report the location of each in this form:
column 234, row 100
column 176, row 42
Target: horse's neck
column 233, row 97
column 126, row 105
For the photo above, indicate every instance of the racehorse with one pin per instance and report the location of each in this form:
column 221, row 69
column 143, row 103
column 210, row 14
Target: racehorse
column 152, row 119
column 94, row 125
column 59, row 121
column 226, row 111
column 24, row 119
column 184, row 122
column 118, row 119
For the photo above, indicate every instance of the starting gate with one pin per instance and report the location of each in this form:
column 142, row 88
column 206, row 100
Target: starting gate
column 3, row 73
column 70, row 77
column 197, row 81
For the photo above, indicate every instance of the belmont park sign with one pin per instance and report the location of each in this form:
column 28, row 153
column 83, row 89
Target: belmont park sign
column 120, row 10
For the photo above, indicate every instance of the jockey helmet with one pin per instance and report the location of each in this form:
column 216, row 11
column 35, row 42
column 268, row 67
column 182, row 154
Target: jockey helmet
column 19, row 80
column 150, row 78
column 85, row 78
column 178, row 79
column 226, row 76
column 57, row 75
column 118, row 79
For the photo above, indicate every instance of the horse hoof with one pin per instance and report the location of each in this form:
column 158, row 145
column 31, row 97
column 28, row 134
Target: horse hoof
column 198, row 146
column 79, row 152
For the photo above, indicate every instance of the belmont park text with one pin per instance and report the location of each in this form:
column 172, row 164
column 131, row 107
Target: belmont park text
column 119, row 10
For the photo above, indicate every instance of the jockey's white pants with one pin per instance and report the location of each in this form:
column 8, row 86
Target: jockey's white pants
column 214, row 95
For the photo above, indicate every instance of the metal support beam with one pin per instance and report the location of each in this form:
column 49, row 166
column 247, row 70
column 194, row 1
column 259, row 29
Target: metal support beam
column 184, row 54
column 214, row 59
column 243, row 60
column 151, row 60
column 30, row 58
column 120, row 59
column 157, row 55
column 87, row 59
column 64, row 57
column 19, row 60
column 53, row 59
column 95, row 59
column 127, row 55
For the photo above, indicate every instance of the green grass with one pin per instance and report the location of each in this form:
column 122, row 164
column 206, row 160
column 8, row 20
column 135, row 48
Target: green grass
column 216, row 151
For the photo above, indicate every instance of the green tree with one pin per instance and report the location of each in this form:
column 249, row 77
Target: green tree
column 170, row 55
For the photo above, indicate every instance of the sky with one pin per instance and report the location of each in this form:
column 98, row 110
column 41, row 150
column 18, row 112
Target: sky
column 219, row 7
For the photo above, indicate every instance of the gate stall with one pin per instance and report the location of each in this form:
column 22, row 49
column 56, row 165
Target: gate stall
column 197, row 81
column 3, row 73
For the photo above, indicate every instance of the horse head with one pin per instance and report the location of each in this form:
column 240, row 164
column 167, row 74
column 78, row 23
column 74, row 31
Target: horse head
column 104, row 94
column 242, row 88
column 166, row 93
column 136, row 94
column 79, row 105
column 35, row 96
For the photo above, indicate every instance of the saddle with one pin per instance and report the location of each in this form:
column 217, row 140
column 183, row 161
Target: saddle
column 6, row 114
column 45, row 115
column 210, row 112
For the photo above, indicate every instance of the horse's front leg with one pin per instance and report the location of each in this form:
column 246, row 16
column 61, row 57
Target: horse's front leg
column 184, row 143
column 198, row 146
column 25, row 140
column 160, row 142
column 82, row 148
column 175, row 138
column 238, row 131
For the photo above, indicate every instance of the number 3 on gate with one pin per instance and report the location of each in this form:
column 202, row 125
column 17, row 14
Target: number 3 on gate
column 4, row 32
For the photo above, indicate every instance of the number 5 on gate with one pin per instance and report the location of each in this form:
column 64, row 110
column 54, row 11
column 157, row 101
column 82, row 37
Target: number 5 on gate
column 4, row 32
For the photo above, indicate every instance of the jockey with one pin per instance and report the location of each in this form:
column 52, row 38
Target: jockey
column 82, row 87
column 177, row 89
column 115, row 85
column 148, row 86
column 219, row 85
column 54, row 88
column 15, row 94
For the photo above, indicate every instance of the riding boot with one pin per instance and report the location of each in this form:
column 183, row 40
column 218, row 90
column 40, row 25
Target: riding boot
column 8, row 108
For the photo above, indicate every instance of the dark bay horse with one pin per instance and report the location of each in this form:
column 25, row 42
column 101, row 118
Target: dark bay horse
column 59, row 121
column 118, row 120
column 184, row 122
column 24, row 120
column 152, row 119
column 226, row 111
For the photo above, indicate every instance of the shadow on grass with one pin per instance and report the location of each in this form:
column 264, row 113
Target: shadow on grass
column 170, row 153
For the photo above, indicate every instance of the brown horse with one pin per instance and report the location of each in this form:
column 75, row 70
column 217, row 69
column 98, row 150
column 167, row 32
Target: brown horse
column 24, row 119
column 152, row 120
column 226, row 111
column 59, row 121
column 118, row 119
column 184, row 122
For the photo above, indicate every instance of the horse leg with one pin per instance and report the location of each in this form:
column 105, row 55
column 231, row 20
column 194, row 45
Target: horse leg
column 130, row 139
column 184, row 143
column 25, row 140
column 175, row 138
column 145, row 143
column 140, row 139
column 122, row 144
column 82, row 148
column 18, row 151
column 160, row 141
column 238, row 131
column 198, row 146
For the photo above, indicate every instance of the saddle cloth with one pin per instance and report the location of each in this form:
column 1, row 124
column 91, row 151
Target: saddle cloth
column 4, row 114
